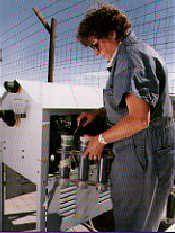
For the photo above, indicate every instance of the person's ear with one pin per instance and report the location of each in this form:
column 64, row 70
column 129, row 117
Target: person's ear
column 112, row 35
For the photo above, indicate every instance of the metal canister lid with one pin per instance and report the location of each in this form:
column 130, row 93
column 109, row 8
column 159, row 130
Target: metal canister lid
column 66, row 139
column 83, row 141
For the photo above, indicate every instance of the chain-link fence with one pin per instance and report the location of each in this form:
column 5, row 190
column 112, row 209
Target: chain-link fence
column 25, row 44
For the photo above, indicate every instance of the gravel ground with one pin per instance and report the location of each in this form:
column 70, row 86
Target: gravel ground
column 20, row 217
column 20, row 210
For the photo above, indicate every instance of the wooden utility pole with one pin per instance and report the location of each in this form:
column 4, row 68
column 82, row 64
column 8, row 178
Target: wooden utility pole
column 52, row 31
column 52, row 49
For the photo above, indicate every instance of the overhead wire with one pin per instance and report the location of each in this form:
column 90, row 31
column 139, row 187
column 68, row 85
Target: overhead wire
column 62, row 10
column 66, row 20
column 38, row 31
column 72, row 6
column 74, row 42
column 28, row 17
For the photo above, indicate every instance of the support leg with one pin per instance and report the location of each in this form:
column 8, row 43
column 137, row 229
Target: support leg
column 1, row 194
column 40, row 208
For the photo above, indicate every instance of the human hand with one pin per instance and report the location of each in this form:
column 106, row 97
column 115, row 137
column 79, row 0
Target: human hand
column 86, row 117
column 94, row 148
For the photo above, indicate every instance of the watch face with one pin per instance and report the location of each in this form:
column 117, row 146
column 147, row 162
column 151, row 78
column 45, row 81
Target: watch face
column 101, row 139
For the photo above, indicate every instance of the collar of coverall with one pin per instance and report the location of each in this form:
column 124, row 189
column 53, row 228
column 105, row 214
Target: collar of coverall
column 112, row 59
column 109, row 63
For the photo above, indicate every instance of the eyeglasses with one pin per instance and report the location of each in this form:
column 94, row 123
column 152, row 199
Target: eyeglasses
column 94, row 46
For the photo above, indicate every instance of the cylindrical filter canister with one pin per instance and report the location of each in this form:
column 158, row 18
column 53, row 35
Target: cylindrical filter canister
column 171, row 205
column 66, row 147
column 102, row 174
column 66, row 142
column 84, row 164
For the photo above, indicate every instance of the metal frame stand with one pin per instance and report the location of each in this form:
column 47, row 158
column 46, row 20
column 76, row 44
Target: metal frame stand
column 1, row 193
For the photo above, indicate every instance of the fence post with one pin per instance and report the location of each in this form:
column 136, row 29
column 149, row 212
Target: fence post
column 52, row 31
column 52, row 49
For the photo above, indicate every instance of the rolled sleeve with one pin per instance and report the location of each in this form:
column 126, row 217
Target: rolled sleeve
column 144, row 83
column 145, row 88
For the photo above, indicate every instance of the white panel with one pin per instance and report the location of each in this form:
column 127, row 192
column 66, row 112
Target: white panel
column 58, row 95
column 22, row 144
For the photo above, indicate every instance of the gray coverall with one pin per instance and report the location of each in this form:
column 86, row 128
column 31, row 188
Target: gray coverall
column 143, row 168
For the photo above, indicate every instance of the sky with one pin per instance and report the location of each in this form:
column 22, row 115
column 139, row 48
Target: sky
column 25, row 47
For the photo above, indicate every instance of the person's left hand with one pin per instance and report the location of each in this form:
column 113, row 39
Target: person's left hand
column 94, row 148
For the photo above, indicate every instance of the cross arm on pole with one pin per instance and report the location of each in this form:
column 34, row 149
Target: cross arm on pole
column 43, row 21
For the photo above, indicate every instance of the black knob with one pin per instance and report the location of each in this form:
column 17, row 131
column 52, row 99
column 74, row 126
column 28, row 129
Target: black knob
column 13, row 86
column 8, row 117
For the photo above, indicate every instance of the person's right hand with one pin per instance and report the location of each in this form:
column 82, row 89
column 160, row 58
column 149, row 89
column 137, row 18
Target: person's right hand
column 86, row 117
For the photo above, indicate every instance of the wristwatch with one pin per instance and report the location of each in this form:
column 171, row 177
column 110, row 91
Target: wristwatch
column 101, row 139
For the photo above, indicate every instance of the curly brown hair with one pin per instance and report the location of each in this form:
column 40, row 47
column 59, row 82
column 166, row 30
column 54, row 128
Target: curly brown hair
column 100, row 22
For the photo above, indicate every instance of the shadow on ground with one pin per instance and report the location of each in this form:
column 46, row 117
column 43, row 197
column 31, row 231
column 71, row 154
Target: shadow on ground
column 9, row 226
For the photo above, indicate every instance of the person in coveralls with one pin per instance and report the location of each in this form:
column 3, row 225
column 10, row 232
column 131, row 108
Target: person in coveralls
column 140, row 120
